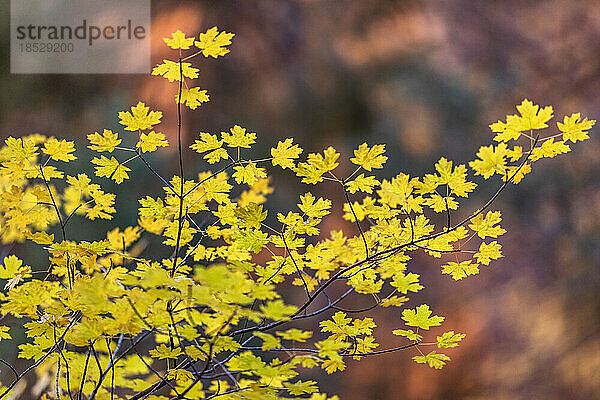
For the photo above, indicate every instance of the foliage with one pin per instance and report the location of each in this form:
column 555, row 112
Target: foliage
column 215, row 317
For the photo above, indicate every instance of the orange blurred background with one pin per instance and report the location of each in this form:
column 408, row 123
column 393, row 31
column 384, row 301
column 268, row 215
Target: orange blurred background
column 425, row 77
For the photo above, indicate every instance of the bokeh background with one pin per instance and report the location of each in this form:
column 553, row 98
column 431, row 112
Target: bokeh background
column 425, row 77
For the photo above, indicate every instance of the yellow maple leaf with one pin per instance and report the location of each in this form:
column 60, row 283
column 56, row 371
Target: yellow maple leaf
column 433, row 359
column 216, row 155
column 312, row 208
column 444, row 169
column 369, row 158
column 487, row 226
column 238, row 137
column 408, row 333
column 295, row 334
column 20, row 149
column 212, row 42
column 82, row 183
column 488, row 252
column 515, row 153
column 11, row 266
column 285, row 153
column 332, row 365
column 308, row 173
column 179, row 41
column 299, row 387
column 119, row 239
column 362, row 183
column 171, row 70
column 163, row 351
column 420, row 317
column 4, row 332
column 505, row 131
column 574, row 128
column 40, row 237
column 59, row 150
column 107, row 141
column 396, row 191
column 13, row 270
column 449, row 339
column 406, row 282
column 111, row 168
column 429, row 183
column 491, row 160
column 532, row 117
column 277, row 310
column 211, row 144
column 152, row 225
column 216, row 188
column 207, row 142
column 440, row 204
column 104, row 205
column 139, row 118
column 172, row 232
column 248, row 174
column 460, row 270
column 516, row 173
column 317, row 165
column 458, row 183
column 549, row 149
column 394, row 301
column 151, row 141
column 455, row 178
column 325, row 162
column 192, row 97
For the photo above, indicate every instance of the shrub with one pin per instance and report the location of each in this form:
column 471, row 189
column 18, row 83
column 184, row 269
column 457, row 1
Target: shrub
column 216, row 315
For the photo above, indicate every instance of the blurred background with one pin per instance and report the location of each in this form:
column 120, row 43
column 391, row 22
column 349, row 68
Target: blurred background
column 426, row 78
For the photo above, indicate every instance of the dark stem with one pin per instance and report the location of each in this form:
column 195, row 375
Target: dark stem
column 181, row 177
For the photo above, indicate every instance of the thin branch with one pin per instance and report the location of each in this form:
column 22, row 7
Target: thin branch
column 163, row 180
column 295, row 265
column 87, row 359
column 48, row 352
column 70, row 274
column 170, row 311
column 57, row 376
column 154, row 371
column 225, row 168
column 383, row 351
column 362, row 235
column 75, row 210
column 60, row 351
column 181, row 176
column 11, row 368
column 448, row 224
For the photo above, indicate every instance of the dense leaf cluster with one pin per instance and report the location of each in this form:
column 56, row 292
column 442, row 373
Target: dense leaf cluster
column 209, row 320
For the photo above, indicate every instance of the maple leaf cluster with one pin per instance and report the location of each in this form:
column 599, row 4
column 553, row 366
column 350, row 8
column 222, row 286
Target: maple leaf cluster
column 212, row 316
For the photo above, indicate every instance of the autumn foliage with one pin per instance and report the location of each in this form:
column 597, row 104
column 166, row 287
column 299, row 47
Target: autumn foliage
column 211, row 318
